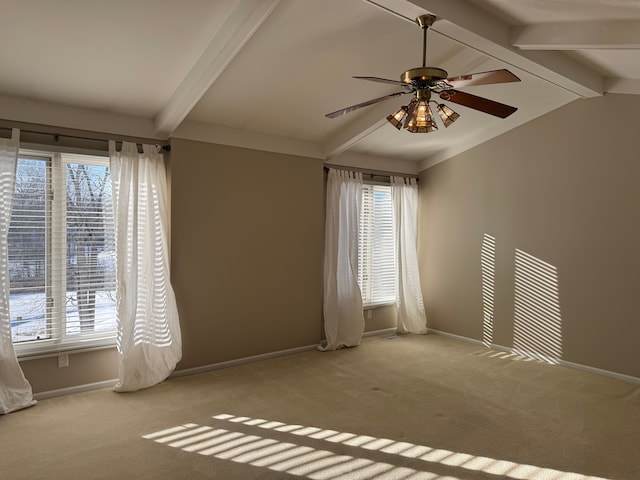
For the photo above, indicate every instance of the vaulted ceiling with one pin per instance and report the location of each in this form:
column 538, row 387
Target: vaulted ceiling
column 263, row 73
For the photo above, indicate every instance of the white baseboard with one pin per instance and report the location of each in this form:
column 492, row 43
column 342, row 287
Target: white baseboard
column 75, row 389
column 618, row 376
column 598, row 371
column 457, row 337
column 384, row 331
column 264, row 356
column 241, row 361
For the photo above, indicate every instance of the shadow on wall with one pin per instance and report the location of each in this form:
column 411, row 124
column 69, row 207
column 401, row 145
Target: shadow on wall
column 537, row 322
column 488, row 262
column 537, row 328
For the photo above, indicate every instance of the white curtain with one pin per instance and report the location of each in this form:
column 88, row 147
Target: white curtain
column 149, row 339
column 409, row 303
column 343, row 318
column 15, row 391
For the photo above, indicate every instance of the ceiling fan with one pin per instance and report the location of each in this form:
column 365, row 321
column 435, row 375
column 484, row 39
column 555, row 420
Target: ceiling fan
column 417, row 116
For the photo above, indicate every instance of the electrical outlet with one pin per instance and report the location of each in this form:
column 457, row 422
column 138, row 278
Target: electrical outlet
column 63, row 360
column 369, row 314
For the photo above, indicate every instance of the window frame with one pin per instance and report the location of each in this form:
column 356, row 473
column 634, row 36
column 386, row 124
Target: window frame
column 56, row 259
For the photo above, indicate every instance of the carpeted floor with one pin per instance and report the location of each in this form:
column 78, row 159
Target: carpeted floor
column 413, row 407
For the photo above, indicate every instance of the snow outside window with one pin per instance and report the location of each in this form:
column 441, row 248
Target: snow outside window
column 61, row 254
column 376, row 249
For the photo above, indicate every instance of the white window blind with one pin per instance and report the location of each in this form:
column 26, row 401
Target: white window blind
column 376, row 252
column 61, row 253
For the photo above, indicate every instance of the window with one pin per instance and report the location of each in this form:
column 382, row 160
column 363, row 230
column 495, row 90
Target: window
column 376, row 257
column 61, row 253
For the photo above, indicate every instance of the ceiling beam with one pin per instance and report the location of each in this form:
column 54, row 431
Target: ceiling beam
column 618, row 34
column 237, row 29
column 368, row 122
column 462, row 62
column 472, row 26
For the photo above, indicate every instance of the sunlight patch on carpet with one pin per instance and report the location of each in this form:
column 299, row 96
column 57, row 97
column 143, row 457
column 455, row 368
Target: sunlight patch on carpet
column 321, row 464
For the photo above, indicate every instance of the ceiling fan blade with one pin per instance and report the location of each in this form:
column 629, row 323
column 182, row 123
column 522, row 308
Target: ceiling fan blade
column 385, row 80
column 483, row 78
column 342, row 111
column 478, row 103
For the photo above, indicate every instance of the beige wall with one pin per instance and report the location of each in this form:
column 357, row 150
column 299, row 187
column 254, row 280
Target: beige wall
column 565, row 189
column 381, row 318
column 84, row 368
column 247, row 243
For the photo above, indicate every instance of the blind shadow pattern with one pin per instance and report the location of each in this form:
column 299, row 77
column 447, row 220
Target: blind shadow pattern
column 151, row 324
column 537, row 319
column 402, row 460
column 488, row 264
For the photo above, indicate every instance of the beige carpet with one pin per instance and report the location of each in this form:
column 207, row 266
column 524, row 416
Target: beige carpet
column 415, row 407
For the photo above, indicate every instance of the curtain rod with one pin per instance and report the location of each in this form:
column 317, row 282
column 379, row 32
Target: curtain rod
column 380, row 173
column 56, row 136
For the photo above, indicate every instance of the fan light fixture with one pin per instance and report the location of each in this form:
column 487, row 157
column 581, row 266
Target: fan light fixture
column 447, row 115
column 397, row 118
column 417, row 117
column 420, row 118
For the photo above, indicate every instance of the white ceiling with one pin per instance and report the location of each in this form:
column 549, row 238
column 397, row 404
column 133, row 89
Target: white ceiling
column 262, row 73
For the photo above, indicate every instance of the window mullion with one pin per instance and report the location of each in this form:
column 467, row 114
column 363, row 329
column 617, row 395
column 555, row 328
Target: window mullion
column 58, row 278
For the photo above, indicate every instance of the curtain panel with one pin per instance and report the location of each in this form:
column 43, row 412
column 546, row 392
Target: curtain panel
column 149, row 339
column 15, row 390
column 343, row 317
column 409, row 302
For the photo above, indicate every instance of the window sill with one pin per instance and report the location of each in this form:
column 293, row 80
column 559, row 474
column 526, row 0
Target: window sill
column 370, row 306
column 33, row 353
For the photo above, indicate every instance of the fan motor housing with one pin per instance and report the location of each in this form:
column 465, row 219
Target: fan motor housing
column 423, row 76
